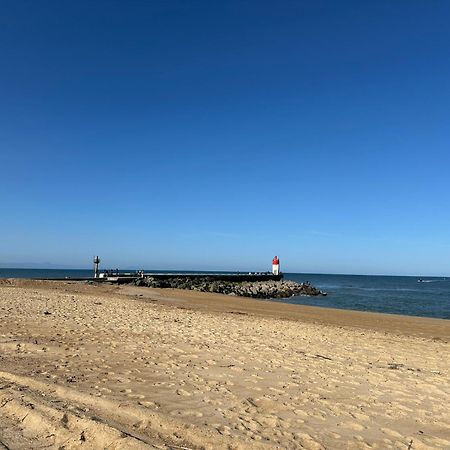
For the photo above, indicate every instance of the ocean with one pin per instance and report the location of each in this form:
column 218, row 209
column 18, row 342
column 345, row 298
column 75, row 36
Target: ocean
column 385, row 294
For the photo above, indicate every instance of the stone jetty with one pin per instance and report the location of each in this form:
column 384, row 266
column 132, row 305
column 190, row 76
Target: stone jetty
column 254, row 289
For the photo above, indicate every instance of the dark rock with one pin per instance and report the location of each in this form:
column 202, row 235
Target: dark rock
column 256, row 289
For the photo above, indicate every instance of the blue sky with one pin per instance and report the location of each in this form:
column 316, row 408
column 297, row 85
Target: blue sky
column 214, row 135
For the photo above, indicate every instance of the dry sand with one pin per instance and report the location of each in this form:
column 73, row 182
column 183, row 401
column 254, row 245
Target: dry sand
column 97, row 366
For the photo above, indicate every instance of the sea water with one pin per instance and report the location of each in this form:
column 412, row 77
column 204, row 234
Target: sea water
column 386, row 294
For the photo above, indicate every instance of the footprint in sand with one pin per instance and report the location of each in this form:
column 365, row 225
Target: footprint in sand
column 183, row 393
column 392, row 433
column 352, row 426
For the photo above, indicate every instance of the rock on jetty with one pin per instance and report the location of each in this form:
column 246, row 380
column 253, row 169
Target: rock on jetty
column 256, row 289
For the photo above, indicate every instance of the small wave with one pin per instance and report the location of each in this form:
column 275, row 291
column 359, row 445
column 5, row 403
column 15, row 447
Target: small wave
column 431, row 281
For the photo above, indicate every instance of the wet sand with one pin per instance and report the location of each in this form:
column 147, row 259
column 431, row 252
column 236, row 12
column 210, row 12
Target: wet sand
column 101, row 366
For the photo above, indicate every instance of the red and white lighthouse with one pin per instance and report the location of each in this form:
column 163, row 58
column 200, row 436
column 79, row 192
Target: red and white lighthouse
column 276, row 266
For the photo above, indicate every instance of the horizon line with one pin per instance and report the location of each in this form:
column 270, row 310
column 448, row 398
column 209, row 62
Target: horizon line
column 231, row 271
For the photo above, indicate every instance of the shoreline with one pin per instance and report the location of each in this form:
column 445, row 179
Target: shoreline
column 382, row 322
column 427, row 327
column 389, row 295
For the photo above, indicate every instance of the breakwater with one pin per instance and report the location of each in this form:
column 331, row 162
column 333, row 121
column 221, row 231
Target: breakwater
column 255, row 289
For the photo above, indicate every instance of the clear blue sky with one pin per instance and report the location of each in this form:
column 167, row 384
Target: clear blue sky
column 214, row 135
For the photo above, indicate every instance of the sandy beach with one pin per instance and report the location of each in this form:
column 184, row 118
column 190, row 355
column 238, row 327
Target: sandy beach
column 122, row 367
